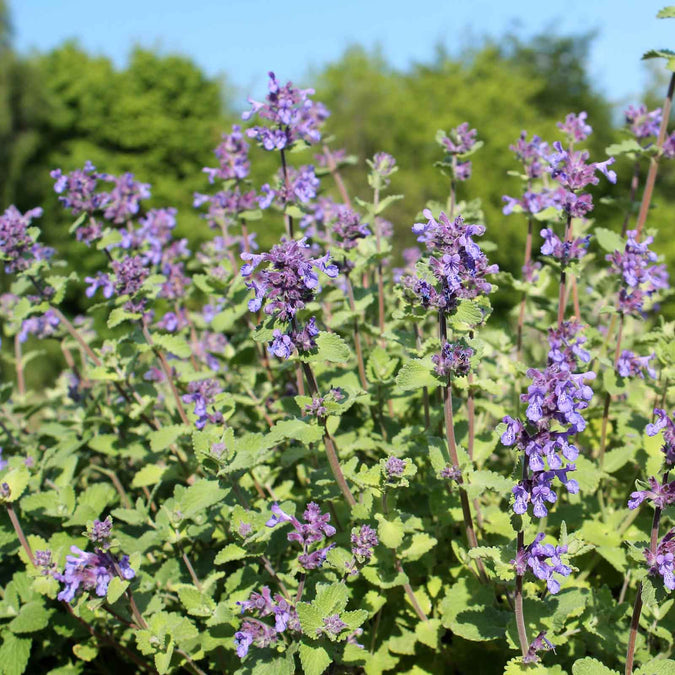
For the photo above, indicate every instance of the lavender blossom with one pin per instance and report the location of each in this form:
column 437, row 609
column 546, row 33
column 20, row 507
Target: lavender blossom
column 575, row 127
column 40, row 326
column 202, row 394
column 18, row 248
column 293, row 115
column 662, row 561
column 540, row 643
column 661, row 495
column 232, row 154
column 348, row 228
column 564, row 251
column 643, row 123
column 667, row 424
column 454, row 360
column 632, row 365
column 544, row 561
column 364, row 540
column 124, row 200
column 91, row 572
column 394, row 467
column 533, row 155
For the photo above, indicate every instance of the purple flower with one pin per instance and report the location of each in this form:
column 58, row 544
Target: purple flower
column 300, row 188
column 544, row 561
column 364, row 540
column 101, row 532
column 124, row 200
column 662, row 561
column 333, row 625
column 101, row 280
column 575, row 127
column 294, row 116
column 532, row 154
column 534, row 202
column 383, row 165
column 566, row 345
column 661, row 495
column 202, row 394
column 17, row 246
column 232, row 154
column 642, row 122
column 40, row 326
column 316, row 408
column 540, row 643
column 640, row 276
column 348, row 228
column 313, row 531
column 453, row 360
column 665, row 423
column 564, row 251
column 91, row 572
column 570, row 168
column 632, row 365
column 394, row 467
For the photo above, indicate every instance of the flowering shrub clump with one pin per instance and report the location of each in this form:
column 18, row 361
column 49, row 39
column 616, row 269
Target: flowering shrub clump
column 307, row 459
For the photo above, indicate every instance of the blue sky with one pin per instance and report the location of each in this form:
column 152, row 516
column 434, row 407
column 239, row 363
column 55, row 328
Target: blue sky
column 243, row 39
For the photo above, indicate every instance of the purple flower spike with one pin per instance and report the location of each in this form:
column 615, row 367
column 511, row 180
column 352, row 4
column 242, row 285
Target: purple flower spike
column 575, row 127
column 662, row 562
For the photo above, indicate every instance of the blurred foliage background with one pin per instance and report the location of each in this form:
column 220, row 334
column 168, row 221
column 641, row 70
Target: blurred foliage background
column 161, row 116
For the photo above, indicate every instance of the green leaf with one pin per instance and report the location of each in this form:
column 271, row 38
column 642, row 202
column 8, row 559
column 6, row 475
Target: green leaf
column 630, row 145
column 609, row 240
column 200, row 496
column 330, row 347
column 195, row 601
column 666, row 13
column 116, row 588
column 617, row 458
column 173, row 344
column 314, row 660
column 162, row 438
column 229, row 553
column 14, row 654
column 386, row 202
column 381, row 365
column 428, row 632
column 390, row 532
column 657, row 667
column 17, row 480
column 467, row 312
column 421, row 543
column 85, row 652
column 150, row 474
column 415, row 374
column 32, row 617
column 119, row 315
column 482, row 480
column 667, row 54
column 590, row 666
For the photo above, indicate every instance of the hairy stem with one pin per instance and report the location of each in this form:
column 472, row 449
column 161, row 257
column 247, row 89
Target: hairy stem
column 18, row 362
column 521, row 314
column 19, row 531
column 635, row 180
column 654, row 161
column 357, row 335
column 562, row 295
column 287, row 218
column 608, row 398
column 518, row 599
column 335, row 173
column 329, row 443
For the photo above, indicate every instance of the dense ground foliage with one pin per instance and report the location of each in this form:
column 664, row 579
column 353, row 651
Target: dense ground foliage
column 303, row 458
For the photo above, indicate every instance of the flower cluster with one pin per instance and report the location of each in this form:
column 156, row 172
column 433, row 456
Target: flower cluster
column 540, row 643
column 660, row 494
column 457, row 142
column 78, row 191
column 640, row 276
column 575, row 127
column 643, row 123
column 630, row 364
column 544, row 561
column 382, row 166
column 256, row 632
column 662, row 561
column 555, row 400
column 394, row 467
column 533, row 155
column 457, row 264
column 18, row 247
column 91, row 571
column 232, row 154
column 313, row 531
column 40, row 326
column 297, row 186
column 665, row 423
column 564, row 251
column 454, row 360
column 202, row 393
column 348, row 228
column 286, row 285
column 534, row 202
column 293, row 115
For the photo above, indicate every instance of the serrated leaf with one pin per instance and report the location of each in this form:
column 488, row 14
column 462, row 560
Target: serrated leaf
column 329, row 347
column 666, row 13
column 428, row 632
column 85, row 652
column 609, row 240
column 657, row 667
column 116, row 589
column 173, row 344
column 415, row 374
column 150, row 474
column 482, row 480
column 420, row 544
column 229, row 553
column 200, row 496
column 390, row 532
column 17, row 480
column 314, row 660
column 467, row 312
column 14, row 654
column 160, row 439
column 32, row 617
column 627, row 146
column 590, row 666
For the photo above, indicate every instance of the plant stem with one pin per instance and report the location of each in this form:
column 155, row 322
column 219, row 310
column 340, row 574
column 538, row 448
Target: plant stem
column 18, row 362
column 19, row 531
column 654, row 161
column 335, row 173
column 167, row 372
column 562, row 295
column 287, row 218
column 608, row 398
column 521, row 315
column 633, row 192
column 329, row 443
column 518, row 599
column 301, row 588
column 357, row 334
column 425, row 390
column 452, row 449
column 190, row 568
column 637, row 607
